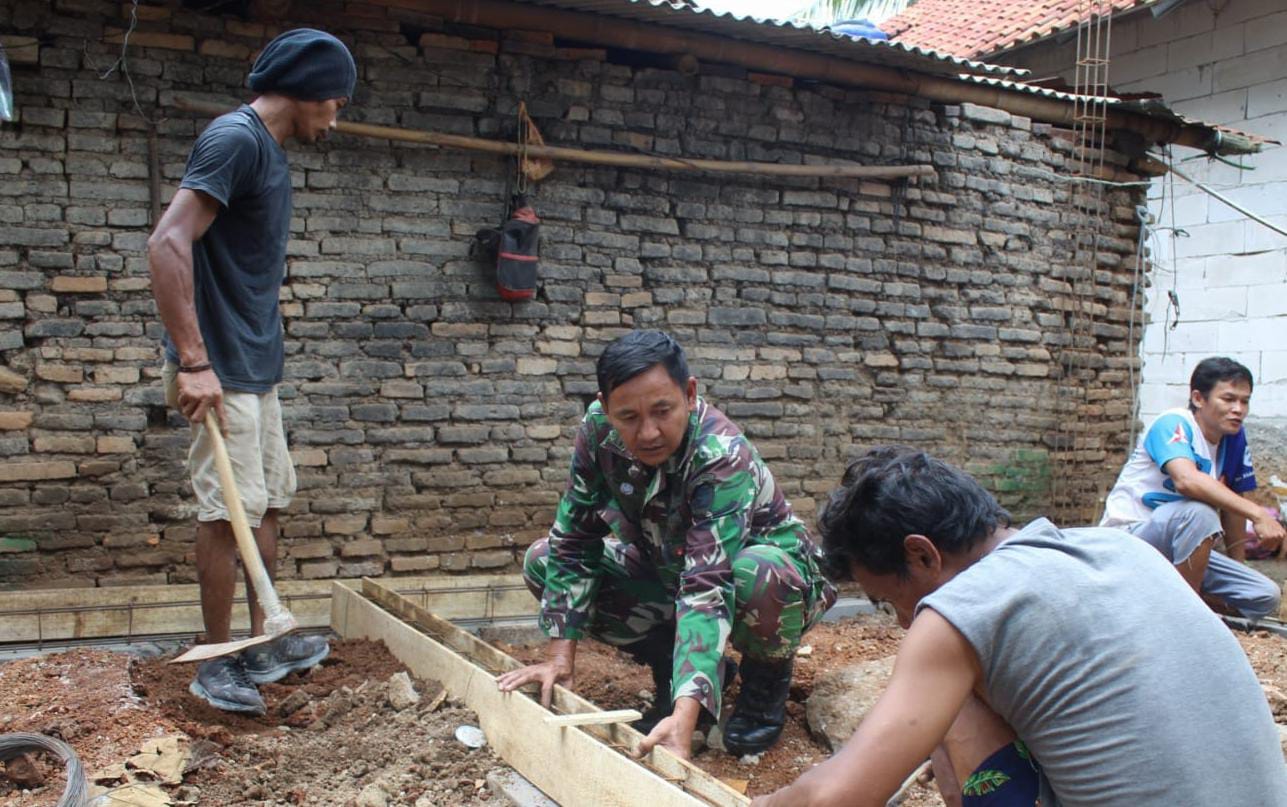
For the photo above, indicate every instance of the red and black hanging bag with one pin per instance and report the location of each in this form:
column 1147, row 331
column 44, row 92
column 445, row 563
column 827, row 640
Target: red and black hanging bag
column 517, row 253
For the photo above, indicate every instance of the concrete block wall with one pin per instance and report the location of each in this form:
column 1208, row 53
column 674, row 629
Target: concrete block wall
column 1223, row 63
column 431, row 422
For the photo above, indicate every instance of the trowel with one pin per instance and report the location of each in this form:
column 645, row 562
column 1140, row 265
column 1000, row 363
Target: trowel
column 277, row 620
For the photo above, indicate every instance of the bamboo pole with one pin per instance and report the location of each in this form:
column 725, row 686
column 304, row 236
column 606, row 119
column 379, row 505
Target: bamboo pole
column 601, row 29
column 611, row 158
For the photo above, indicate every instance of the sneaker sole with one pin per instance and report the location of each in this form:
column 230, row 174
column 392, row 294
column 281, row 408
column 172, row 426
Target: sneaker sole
column 219, row 703
column 277, row 673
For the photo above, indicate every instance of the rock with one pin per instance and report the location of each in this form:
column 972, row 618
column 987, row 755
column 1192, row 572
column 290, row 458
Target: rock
column 336, row 705
column 697, row 742
column 401, row 691
column 11, row 382
column 373, row 795
column 715, row 737
column 23, row 772
column 841, row 699
column 1282, row 738
column 293, row 703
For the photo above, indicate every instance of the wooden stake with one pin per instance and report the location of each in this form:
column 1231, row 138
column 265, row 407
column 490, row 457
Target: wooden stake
column 594, row 718
column 609, row 158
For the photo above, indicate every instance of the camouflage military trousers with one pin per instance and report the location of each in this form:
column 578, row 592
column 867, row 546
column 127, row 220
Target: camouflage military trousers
column 774, row 603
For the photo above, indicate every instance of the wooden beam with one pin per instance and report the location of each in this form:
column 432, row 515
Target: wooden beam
column 480, row 655
column 618, row 159
column 100, row 613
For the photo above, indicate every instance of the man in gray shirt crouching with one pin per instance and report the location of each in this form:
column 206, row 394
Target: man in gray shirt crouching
column 1059, row 667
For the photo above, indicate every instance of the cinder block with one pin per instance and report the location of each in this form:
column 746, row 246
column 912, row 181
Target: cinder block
column 1180, row 85
column 1157, row 398
column 1188, row 337
column 1248, row 336
column 1211, row 239
column 1267, row 299
column 1190, row 52
column 1225, row 304
column 1251, row 68
column 1223, row 107
column 1260, row 239
column 1265, row 200
column 1266, row 98
column 1141, row 64
column 1273, row 369
column 1265, row 32
column 1244, row 270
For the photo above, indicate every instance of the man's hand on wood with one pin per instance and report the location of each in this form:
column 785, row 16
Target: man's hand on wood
column 198, row 393
column 558, row 668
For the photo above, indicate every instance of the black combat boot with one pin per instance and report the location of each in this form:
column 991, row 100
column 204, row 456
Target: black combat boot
column 760, row 713
column 655, row 651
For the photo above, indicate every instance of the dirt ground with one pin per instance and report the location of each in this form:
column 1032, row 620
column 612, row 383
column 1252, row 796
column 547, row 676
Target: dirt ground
column 332, row 737
column 341, row 743
column 613, row 681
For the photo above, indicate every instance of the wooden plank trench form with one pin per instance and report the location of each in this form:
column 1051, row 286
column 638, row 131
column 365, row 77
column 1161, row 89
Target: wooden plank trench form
column 574, row 765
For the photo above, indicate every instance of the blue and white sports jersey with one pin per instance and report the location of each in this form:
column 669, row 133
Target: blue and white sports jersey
column 1144, row 484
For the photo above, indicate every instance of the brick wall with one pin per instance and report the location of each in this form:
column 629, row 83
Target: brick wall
column 431, row 422
column 1220, row 63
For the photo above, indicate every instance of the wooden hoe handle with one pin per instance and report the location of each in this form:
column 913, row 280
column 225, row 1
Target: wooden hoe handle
column 277, row 620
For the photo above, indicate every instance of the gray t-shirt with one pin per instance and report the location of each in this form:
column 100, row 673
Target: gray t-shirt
column 1127, row 689
column 239, row 264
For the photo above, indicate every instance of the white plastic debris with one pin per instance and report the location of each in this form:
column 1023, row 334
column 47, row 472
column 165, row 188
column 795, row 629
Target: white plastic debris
column 471, row 736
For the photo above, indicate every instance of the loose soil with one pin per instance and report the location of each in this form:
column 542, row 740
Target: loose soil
column 613, row 681
column 343, row 744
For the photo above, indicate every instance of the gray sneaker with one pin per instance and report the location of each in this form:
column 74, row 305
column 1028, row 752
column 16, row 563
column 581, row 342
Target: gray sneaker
column 223, row 683
column 274, row 661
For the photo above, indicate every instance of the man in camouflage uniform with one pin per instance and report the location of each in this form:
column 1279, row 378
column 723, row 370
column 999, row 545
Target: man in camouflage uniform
column 672, row 538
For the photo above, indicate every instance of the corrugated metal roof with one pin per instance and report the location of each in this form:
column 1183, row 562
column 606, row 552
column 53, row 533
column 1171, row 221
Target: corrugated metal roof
column 1153, row 108
column 784, row 34
column 684, row 17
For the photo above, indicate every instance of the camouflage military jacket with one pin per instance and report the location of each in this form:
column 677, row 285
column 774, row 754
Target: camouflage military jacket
column 692, row 515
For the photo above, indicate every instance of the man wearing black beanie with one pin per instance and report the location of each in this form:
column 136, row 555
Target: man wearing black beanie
column 217, row 260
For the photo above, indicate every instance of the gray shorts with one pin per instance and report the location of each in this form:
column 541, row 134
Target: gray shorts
column 1178, row 528
column 256, row 443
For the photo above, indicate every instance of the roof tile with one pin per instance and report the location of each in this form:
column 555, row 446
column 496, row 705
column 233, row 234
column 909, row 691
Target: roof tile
column 973, row 28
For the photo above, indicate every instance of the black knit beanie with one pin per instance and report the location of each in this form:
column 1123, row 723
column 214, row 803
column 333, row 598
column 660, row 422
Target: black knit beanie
column 306, row 64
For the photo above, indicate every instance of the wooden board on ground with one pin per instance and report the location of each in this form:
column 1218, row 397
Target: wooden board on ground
column 574, row 766
column 128, row 611
column 565, row 701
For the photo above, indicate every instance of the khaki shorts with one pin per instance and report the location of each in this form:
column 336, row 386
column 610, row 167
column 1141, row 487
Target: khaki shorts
column 256, row 445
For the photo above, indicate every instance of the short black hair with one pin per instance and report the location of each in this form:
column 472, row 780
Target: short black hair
column 638, row 352
column 1213, row 370
column 895, row 491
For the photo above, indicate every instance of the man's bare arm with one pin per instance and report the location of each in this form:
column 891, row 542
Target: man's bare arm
column 935, row 671
column 1193, row 484
column 170, row 263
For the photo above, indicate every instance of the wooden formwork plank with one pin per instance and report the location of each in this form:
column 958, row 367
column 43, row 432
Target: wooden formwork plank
column 622, row 736
column 567, row 764
column 96, row 613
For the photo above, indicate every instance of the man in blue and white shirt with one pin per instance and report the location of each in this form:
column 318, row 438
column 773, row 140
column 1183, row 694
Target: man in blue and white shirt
column 1181, row 490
